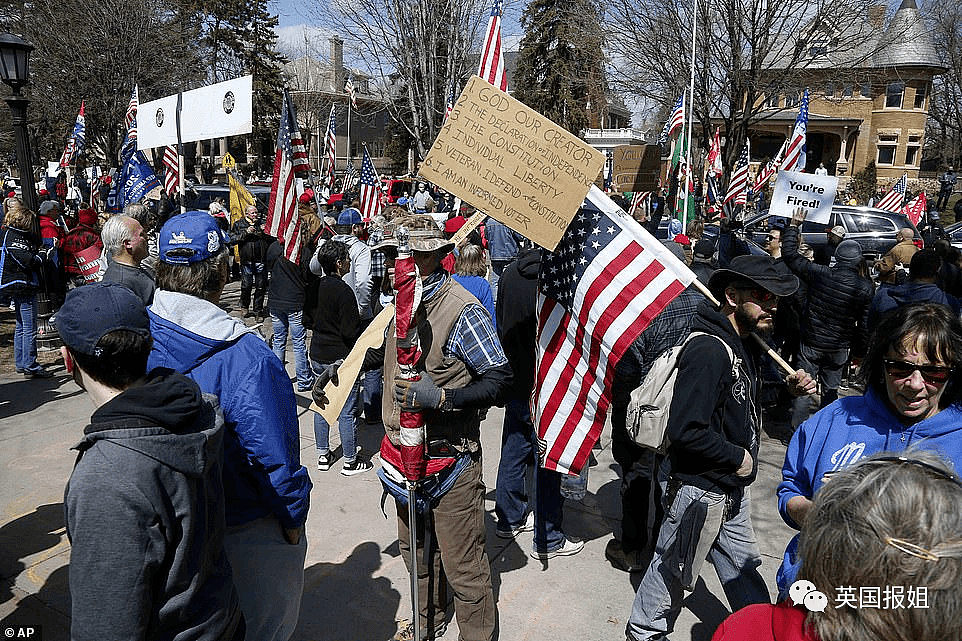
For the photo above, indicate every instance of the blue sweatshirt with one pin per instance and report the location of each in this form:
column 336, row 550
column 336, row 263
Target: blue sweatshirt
column 850, row 429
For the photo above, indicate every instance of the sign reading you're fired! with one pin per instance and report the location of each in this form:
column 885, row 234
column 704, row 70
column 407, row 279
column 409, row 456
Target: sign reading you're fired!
column 512, row 163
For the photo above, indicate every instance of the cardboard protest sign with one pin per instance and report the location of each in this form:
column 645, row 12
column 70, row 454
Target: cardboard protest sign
column 512, row 163
column 812, row 192
column 218, row 110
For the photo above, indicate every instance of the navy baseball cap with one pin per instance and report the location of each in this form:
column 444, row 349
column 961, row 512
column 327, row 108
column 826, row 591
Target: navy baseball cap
column 91, row 311
column 190, row 238
column 349, row 216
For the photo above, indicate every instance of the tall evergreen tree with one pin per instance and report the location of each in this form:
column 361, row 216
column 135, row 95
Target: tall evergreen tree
column 560, row 68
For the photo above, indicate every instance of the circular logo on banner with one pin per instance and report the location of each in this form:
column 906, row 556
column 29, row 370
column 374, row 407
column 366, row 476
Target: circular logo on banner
column 159, row 117
column 229, row 102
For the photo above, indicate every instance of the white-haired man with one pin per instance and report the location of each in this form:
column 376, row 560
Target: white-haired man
column 125, row 243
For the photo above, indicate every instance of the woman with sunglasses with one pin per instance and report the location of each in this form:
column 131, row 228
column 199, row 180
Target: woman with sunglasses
column 913, row 396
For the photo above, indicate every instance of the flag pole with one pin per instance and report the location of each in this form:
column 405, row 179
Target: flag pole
column 180, row 154
column 691, row 107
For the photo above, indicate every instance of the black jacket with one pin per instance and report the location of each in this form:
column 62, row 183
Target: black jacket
column 252, row 246
column 838, row 299
column 517, row 319
column 287, row 285
column 21, row 264
column 714, row 416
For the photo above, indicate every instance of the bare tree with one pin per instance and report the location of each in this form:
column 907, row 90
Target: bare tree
column 944, row 138
column 745, row 51
column 416, row 49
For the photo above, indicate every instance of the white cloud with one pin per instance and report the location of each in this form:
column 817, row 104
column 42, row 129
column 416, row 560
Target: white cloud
column 304, row 39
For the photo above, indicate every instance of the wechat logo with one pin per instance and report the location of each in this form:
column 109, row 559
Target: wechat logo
column 804, row 593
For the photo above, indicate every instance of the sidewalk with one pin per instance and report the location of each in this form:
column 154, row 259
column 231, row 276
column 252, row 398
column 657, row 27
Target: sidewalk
column 356, row 585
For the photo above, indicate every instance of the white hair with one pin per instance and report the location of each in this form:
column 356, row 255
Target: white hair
column 116, row 231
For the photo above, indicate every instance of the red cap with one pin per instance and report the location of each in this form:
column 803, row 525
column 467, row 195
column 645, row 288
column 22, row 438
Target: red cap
column 305, row 198
column 682, row 239
column 43, row 192
column 452, row 225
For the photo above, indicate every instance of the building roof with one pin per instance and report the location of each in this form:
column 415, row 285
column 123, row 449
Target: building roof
column 908, row 41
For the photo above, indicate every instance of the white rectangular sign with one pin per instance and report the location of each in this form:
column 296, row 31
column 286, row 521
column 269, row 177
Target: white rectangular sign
column 215, row 111
column 814, row 193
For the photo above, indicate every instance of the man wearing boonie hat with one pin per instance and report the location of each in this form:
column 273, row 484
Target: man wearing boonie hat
column 145, row 502
column 466, row 371
column 267, row 491
column 713, row 427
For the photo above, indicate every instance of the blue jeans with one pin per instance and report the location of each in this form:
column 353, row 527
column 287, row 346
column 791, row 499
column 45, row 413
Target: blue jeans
column 295, row 321
column 373, row 387
column 519, row 447
column 346, row 423
column 253, row 274
column 695, row 528
column 25, row 333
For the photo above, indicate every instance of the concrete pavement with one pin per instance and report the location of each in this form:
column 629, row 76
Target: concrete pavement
column 356, row 585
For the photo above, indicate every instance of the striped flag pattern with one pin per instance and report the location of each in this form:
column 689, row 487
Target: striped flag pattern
column 331, row 144
column 370, row 189
column 892, row 201
column 674, row 122
column 770, row 169
column 603, row 284
column 351, row 178
column 283, row 222
column 714, row 155
column 349, row 88
column 491, row 67
column 915, row 208
column 131, row 112
column 75, row 143
column 795, row 154
column 639, row 200
column 450, row 106
column 738, row 184
column 171, row 170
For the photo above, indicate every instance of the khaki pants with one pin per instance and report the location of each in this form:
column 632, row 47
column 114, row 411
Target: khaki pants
column 457, row 543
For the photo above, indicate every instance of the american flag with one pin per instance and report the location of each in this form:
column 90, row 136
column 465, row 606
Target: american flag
column 639, row 200
column 604, row 283
column 370, row 189
column 770, row 169
column 331, row 149
column 75, row 143
column 795, row 154
column 491, row 67
column 738, row 184
column 675, row 121
column 171, row 169
column 450, row 106
column 131, row 113
column 283, row 222
column 351, row 178
column 349, row 88
column 915, row 208
column 893, row 200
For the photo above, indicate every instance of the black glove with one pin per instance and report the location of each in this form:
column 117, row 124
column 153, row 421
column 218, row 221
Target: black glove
column 326, row 375
column 414, row 396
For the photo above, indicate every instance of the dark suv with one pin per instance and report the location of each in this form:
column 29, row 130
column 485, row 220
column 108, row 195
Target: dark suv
column 874, row 229
column 201, row 196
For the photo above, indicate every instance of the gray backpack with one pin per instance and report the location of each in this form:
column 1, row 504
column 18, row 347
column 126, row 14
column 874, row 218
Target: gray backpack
column 650, row 402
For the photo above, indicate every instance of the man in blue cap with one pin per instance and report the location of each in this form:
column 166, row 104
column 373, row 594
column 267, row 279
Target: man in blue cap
column 267, row 490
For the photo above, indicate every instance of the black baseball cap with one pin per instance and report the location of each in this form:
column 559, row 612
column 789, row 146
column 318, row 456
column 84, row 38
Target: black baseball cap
column 91, row 311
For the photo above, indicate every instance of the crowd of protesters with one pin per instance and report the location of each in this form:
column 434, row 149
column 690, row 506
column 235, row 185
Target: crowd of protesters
column 876, row 351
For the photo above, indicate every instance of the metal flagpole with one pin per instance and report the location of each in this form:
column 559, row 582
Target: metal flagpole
column 180, row 154
column 688, row 117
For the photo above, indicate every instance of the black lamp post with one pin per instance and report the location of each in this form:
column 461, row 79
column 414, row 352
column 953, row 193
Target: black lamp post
column 15, row 71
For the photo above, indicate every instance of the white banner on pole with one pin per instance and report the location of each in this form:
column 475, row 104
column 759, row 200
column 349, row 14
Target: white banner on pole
column 222, row 109
column 812, row 192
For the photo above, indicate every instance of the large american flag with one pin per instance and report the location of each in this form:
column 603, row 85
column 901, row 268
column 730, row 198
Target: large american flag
column 75, row 143
column 370, row 189
column 795, row 154
column 604, row 283
column 491, row 67
column 171, row 170
column 331, row 144
column 674, row 122
column 738, row 184
column 283, row 222
column 893, row 200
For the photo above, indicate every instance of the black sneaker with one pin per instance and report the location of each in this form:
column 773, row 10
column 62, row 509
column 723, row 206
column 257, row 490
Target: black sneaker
column 38, row 373
column 357, row 466
column 324, row 461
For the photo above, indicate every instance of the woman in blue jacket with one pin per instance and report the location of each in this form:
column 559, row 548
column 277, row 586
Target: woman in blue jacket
column 913, row 396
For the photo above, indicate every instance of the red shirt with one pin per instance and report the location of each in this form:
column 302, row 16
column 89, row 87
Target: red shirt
column 766, row 622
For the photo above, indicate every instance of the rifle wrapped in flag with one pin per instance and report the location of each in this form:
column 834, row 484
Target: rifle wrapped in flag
column 603, row 284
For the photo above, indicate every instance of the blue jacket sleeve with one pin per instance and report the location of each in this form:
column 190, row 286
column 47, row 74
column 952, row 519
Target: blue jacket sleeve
column 268, row 432
column 797, row 470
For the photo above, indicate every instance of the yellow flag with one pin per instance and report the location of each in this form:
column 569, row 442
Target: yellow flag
column 240, row 197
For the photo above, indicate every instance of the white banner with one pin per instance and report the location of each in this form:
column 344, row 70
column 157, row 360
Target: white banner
column 814, row 193
column 222, row 109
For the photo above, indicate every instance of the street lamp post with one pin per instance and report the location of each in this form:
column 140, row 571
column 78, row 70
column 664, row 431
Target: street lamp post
column 15, row 71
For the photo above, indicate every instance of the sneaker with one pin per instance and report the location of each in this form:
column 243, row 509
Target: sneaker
column 324, row 461
column 621, row 560
column 38, row 373
column 406, row 633
column 527, row 526
column 357, row 466
column 570, row 547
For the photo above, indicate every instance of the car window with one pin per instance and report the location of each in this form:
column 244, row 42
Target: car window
column 869, row 223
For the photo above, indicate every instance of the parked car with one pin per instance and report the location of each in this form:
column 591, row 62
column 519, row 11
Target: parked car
column 955, row 234
column 873, row 229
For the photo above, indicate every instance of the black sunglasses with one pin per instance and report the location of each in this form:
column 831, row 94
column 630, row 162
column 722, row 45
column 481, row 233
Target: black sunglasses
column 759, row 294
column 931, row 374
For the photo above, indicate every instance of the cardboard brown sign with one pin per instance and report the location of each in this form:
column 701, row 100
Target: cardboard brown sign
column 636, row 167
column 512, row 163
